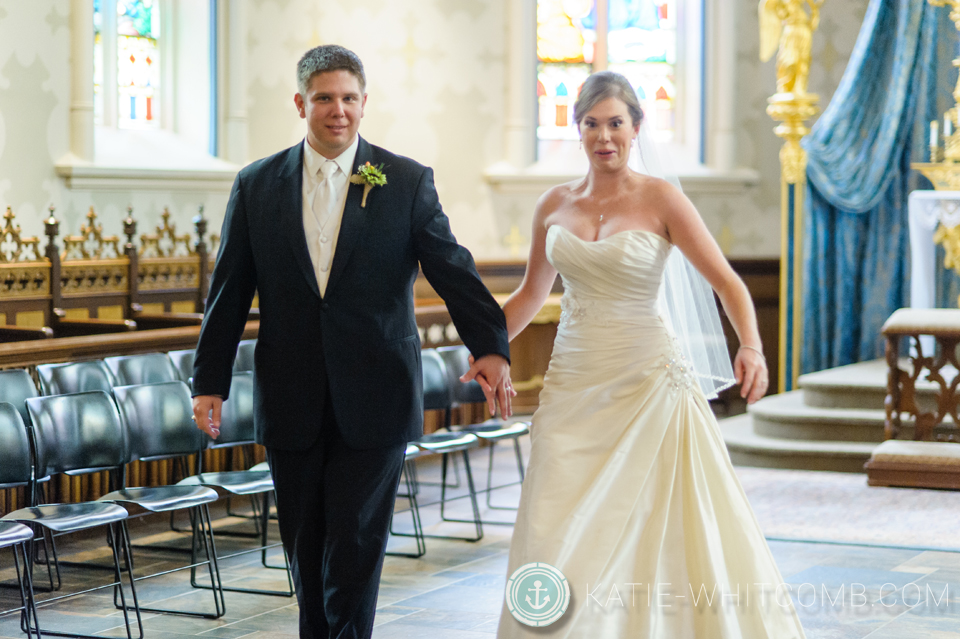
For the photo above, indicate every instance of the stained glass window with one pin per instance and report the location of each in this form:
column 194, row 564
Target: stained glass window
column 135, row 28
column 97, row 63
column 640, row 40
column 642, row 45
column 566, row 36
column 138, row 64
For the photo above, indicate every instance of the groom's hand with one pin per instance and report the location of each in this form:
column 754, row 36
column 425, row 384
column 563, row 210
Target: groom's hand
column 206, row 413
column 492, row 372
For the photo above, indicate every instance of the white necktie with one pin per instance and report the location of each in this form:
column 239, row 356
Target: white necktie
column 325, row 198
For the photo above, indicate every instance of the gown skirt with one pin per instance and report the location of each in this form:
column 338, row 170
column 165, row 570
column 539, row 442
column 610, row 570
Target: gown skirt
column 629, row 491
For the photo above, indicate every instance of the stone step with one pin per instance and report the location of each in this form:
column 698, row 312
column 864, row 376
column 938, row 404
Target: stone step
column 747, row 448
column 788, row 416
column 861, row 385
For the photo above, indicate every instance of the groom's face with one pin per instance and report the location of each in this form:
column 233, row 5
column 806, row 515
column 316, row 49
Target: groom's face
column 332, row 108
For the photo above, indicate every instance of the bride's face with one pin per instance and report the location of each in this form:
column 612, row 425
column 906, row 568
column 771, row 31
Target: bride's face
column 607, row 132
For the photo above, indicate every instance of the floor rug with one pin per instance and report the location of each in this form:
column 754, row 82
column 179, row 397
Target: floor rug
column 840, row 508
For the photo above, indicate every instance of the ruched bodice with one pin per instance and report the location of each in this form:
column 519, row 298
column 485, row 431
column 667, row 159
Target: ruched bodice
column 629, row 487
column 610, row 315
column 631, row 264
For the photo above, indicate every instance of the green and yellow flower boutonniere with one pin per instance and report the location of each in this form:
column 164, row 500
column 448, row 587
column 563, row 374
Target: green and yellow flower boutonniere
column 369, row 176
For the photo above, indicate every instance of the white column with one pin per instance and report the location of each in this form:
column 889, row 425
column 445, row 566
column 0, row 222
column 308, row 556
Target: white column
column 521, row 82
column 81, row 85
column 721, row 63
column 233, row 31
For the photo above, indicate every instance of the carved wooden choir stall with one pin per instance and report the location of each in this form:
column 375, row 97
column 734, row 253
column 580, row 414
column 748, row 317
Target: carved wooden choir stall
column 94, row 285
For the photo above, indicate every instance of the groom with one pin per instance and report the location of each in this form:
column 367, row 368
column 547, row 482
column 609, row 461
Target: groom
column 332, row 253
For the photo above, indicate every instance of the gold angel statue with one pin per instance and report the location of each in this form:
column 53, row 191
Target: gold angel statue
column 785, row 24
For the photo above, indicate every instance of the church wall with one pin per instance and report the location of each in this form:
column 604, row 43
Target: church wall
column 35, row 133
column 34, row 105
column 437, row 82
column 749, row 225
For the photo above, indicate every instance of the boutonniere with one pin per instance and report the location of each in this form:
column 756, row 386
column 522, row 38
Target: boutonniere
column 369, row 176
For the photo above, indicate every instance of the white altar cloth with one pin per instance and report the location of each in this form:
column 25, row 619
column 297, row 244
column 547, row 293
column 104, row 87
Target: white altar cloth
column 926, row 211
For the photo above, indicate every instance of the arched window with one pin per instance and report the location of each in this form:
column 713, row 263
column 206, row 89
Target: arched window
column 656, row 44
column 127, row 63
column 148, row 85
column 155, row 68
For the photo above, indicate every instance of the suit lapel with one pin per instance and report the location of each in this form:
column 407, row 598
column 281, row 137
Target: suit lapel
column 291, row 213
column 354, row 219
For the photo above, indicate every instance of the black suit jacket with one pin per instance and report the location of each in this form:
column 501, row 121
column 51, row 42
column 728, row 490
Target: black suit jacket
column 359, row 339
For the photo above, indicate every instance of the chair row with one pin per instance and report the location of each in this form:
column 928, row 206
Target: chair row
column 443, row 391
column 106, row 432
column 17, row 385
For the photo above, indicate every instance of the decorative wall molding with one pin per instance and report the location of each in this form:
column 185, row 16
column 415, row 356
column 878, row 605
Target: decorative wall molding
column 99, row 178
column 505, row 179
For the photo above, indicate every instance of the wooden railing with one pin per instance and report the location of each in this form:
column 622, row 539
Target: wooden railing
column 69, row 349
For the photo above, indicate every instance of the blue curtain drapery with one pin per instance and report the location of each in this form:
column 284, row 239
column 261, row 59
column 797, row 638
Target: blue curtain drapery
column 856, row 245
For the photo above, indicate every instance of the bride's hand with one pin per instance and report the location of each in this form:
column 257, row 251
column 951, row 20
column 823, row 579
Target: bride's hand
column 750, row 367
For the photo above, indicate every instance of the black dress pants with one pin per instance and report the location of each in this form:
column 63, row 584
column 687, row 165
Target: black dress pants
column 334, row 505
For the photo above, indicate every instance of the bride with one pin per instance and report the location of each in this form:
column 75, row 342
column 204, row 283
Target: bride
column 630, row 492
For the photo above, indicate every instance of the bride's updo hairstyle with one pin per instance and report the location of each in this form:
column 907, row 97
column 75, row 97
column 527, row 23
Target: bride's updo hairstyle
column 602, row 85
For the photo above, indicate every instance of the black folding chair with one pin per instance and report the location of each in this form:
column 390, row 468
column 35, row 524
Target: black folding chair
column 76, row 435
column 15, row 472
column 16, row 387
column 410, row 481
column 17, row 538
column 146, row 368
column 183, row 362
column 437, row 396
column 158, row 425
column 490, row 431
column 75, row 377
column 244, row 360
column 236, row 422
column 241, row 483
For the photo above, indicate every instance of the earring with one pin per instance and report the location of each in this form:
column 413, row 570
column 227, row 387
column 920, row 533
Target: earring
column 581, row 143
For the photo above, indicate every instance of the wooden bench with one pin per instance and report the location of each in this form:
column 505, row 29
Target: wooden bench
column 932, row 460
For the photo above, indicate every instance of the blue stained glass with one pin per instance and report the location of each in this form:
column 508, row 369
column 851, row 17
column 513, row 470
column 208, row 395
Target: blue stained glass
column 642, row 31
column 590, row 21
column 133, row 107
column 562, row 89
column 638, row 14
column 135, row 18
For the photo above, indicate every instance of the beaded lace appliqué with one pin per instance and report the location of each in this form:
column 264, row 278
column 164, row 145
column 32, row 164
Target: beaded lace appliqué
column 678, row 369
column 575, row 309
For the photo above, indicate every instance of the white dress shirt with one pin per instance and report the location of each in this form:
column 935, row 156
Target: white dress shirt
column 321, row 227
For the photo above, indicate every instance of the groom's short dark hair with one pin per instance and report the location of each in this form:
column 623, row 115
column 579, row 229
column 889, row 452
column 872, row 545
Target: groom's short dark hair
column 328, row 57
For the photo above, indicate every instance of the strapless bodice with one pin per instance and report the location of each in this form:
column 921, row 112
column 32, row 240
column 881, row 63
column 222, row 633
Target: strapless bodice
column 614, row 279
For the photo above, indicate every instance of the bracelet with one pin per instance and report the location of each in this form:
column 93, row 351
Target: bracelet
column 753, row 348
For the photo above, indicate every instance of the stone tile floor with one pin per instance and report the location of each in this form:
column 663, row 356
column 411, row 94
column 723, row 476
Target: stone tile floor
column 455, row 590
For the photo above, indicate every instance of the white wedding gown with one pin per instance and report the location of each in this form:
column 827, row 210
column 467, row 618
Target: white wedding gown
column 629, row 481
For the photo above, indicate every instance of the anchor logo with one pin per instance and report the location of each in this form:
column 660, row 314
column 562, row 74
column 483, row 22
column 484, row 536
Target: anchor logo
column 537, row 590
column 542, row 603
